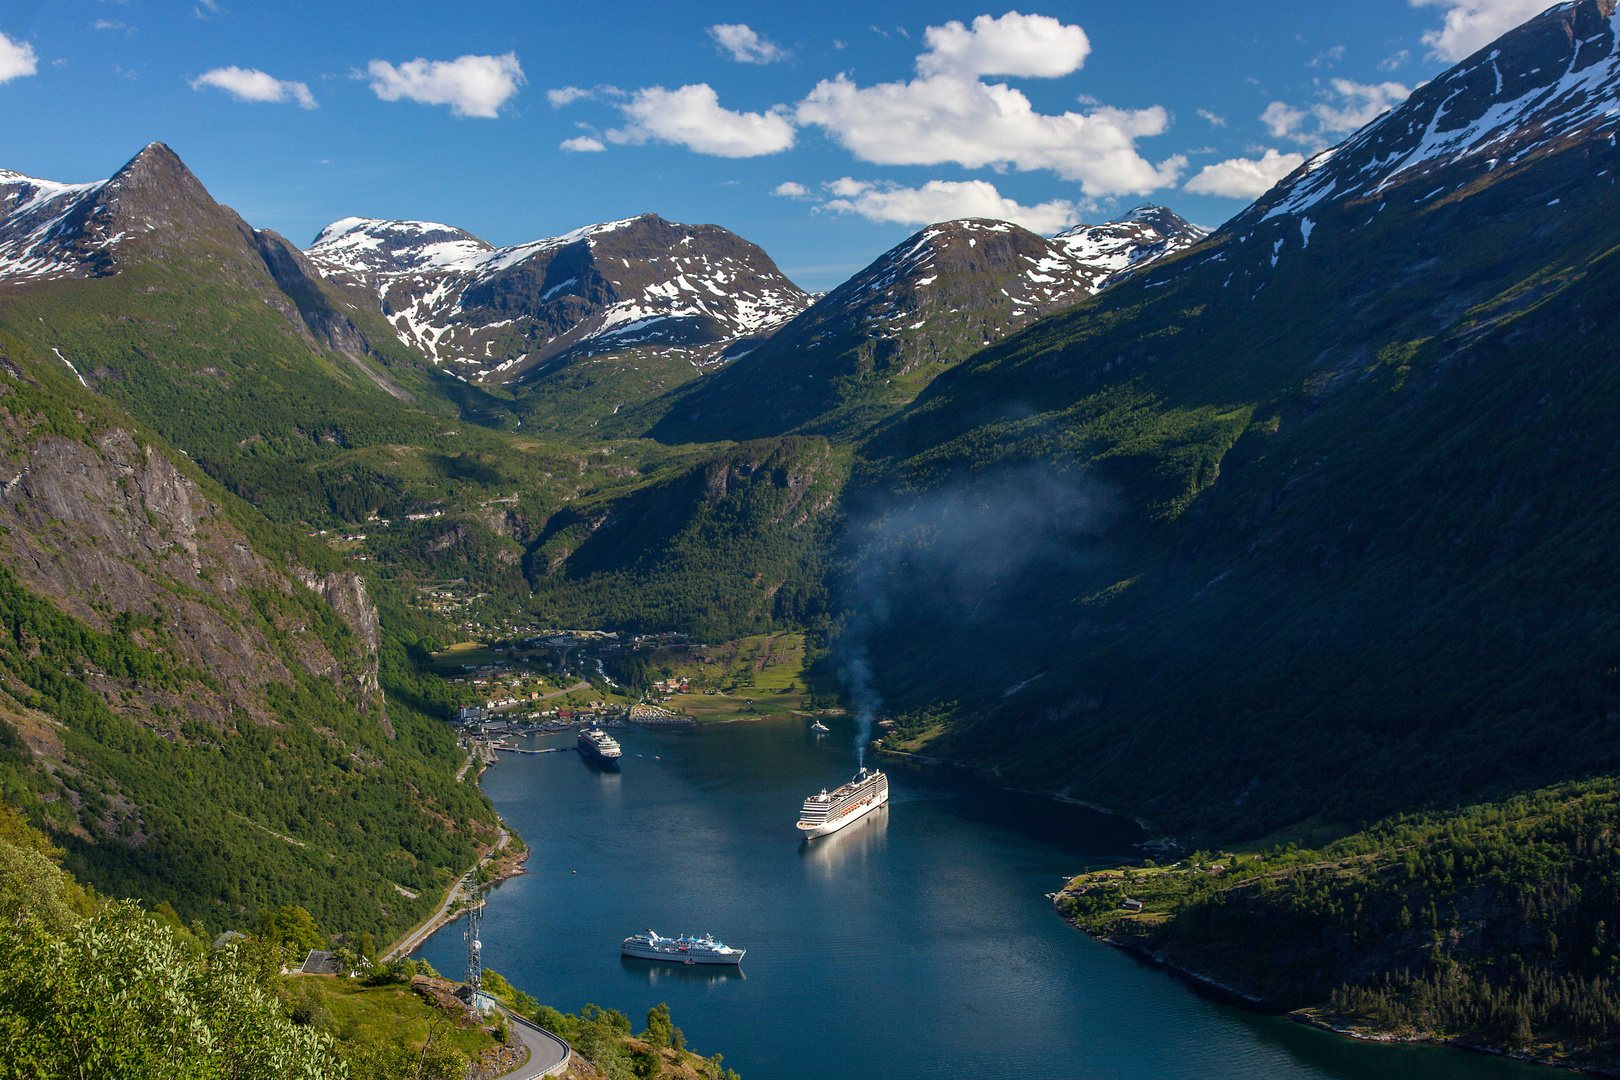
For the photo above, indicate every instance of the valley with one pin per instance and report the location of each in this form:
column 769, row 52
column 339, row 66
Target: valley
column 1291, row 540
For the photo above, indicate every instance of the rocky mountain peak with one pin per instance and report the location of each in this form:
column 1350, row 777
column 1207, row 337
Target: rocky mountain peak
column 1135, row 239
column 504, row 313
column 929, row 301
column 156, row 191
column 53, row 230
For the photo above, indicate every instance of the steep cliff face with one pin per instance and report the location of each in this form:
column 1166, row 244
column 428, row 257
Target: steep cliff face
column 191, row 699
column 345, row 592
column 112, row 529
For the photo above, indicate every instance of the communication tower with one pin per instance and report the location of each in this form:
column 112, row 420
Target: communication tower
column 475, row 944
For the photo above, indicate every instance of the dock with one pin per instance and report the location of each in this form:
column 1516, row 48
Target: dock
column 548, row 750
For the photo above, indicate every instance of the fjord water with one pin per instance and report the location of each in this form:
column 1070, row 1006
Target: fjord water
column 917, row 943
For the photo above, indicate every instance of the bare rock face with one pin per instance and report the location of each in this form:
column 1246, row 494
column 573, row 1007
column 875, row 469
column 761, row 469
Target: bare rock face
column 112, row 528
column 345, row 591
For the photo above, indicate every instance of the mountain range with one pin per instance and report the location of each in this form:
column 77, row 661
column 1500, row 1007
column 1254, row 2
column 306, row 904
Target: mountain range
column 1291, row 525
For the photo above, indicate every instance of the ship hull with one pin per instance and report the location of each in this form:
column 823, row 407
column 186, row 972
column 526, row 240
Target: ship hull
column 854, row 814
column 590, row 749
column 641, row 952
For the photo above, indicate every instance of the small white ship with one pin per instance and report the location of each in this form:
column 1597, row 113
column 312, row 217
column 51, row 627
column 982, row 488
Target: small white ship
column 819, row 728
column 681, row 950
column 826, row 813
column 593, row 740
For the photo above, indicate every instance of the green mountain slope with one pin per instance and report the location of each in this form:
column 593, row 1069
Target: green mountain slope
column 1348, row 541
column 1485, row 926
column 865, row 349
column 728, row 547
column 194, row 699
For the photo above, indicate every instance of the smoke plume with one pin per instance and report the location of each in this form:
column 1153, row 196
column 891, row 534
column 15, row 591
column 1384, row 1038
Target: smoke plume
column 968, row 560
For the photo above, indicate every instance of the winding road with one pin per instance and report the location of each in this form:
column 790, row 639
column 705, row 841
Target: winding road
column 547, row 1053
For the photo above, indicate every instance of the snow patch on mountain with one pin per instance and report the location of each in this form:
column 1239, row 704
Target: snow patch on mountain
column 34, row 216
column 1548, row 84
column 608, row 287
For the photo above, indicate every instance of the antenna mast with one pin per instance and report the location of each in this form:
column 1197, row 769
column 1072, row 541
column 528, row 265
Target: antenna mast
column 475, row 945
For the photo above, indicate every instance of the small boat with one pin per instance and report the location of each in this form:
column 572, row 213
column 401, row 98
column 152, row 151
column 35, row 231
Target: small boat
column 681, row 950
column 819, row 728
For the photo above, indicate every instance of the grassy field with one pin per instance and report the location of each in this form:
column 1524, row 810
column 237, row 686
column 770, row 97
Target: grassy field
column 747, row 679
column 389, row 1014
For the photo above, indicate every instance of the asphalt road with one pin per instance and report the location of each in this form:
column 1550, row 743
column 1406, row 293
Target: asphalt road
column 546, row 1051
column 428, row 928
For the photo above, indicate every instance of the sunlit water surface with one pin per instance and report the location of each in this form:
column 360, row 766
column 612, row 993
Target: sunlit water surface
column 917, row 943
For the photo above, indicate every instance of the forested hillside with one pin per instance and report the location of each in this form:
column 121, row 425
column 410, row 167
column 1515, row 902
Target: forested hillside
column 195, row 701
column 1348, row 534
column 1491, row 926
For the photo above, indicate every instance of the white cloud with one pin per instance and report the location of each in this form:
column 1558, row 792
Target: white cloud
column 692, row 117
column 1244, row 178
column 1283, row 120
column 16, row 59
column 1362, row 104
column 746, row 46
column 112, row 24
column 1215, row 119
column 1327, row 57
column 470, row 85
column 944, row 118
column 1038, row 46
column 787, row 189
column 945, row 200
column 1470, row 25
column 567, row 95
column 250, row 84
column 1395, row 61
column 584, row 144
column 1345, row 107
column 947, row 114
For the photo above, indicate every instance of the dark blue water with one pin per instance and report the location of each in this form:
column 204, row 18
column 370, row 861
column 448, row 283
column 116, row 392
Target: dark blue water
column 917, row 943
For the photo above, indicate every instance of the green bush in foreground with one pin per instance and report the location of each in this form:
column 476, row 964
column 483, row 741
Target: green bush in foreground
column 89, row 989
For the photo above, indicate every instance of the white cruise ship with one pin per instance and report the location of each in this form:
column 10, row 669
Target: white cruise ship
column 826, row 813
column 593, row 740
column 682, row 950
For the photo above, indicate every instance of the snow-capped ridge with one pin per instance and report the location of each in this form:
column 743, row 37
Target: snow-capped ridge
column 51, row 230
column 505, row 311
column 1545, row 86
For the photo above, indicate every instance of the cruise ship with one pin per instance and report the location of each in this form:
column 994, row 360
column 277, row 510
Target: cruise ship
column 826, row 813
column 682, row 950
column 598, row 743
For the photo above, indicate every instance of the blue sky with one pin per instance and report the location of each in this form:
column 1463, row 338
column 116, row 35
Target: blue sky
column 825, row 133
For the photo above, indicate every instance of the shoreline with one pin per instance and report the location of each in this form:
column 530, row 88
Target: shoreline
column 1205, row 984
column 989, row 775
column 413, row 938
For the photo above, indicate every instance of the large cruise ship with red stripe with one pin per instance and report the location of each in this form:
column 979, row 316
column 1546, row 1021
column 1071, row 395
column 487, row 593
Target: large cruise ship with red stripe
column 829, row 812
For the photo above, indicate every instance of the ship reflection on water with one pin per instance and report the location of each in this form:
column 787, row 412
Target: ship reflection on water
column 595, row 764
column 853, row 844
column 657, row 971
